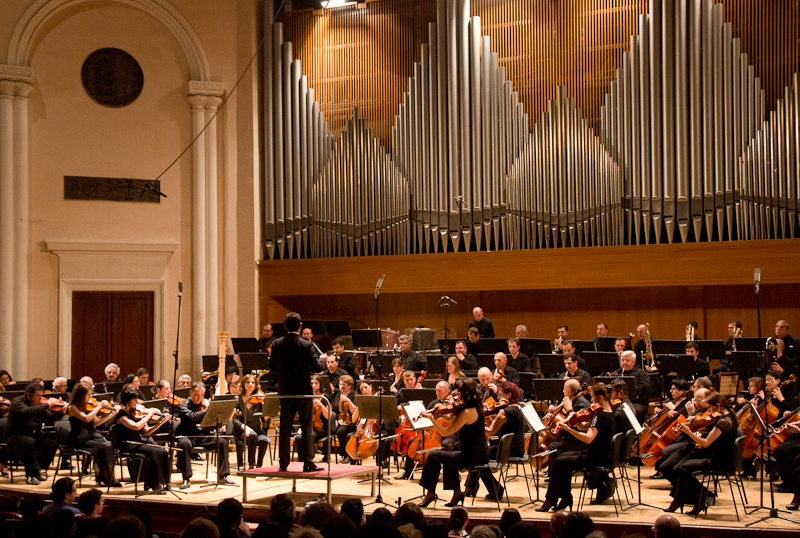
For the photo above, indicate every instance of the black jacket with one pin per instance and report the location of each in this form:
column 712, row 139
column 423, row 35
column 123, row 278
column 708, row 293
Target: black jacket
column 24, row 418
column 293, row 361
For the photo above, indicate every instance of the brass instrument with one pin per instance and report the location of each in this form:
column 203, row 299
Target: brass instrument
column 557, row 344
column 222, row 384
column 689, row 333
column 648, row 348
column 737, row 333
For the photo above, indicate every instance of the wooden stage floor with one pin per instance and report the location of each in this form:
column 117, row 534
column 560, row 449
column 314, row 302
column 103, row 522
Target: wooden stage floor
column 171, row 512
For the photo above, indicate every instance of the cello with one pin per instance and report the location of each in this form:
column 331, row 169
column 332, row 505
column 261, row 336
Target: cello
column 431, row 439
column 751, row 426
column 364, row 443
column 660, row 433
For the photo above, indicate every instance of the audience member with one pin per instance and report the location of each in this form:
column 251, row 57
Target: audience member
column 62, row 524
column 667, row 527
column 384, row 530
column 92, row 522
column 230, row 519
column 601, row 534
column 496, row 530
column 143, row 515
column 338, row 527
column 557, row 522
column 63, row 493
column 354, row 509
column 200, row 527
column 578, row 525
column 30, row 506
column 317, row 515
column 126, row 527
column 459, row 517
column 282, row 510
column 434, row 528
column 523, row 529
column 482, row 531
column 510, row 517
column 382, row 516
column 409, row 513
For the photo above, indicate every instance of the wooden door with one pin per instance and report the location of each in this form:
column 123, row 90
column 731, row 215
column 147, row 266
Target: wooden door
column 109, row 327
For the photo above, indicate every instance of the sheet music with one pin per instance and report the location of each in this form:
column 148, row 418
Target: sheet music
column 413, row 410
column 532, row 417
column 632, row 419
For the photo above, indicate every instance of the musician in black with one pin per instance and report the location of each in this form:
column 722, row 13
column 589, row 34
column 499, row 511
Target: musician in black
column 628, row 367
column 573, row 402
column 517, row 360
column 412, row 360
column 487, row 387
column 26, row 414
column 618, row 390
column 333, row 371
column 596, row 453
column 347, row 414
column 693, row 350
column 683, row 445
column 469, row 422
column 504, row 372
column 508, row 420
column 715, row 452
column 347, row 359
column 249, row 421
column 733, row 327
column 482, row 323
column 568, row 348
column 640, row 347
column 468, row 361
column 792, row 344
column 266, row 337
column 792, row 464
column 474, row 342
column 396, row 376
column 409, row 382
column 572, row 370
column 325, row 416
column 192, row 411
column 133, row 434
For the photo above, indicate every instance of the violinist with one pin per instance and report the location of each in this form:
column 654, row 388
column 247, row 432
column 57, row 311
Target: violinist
column 714, row 451
column 754, row 386
column 504, row 372
column 26, row 414
column 192, row 411
column 84, row 417
column 628, row 367
column 144, row 376
column 132, row 381
column 347, row 418
column 596, row 452
column 134, row 431
column 163, row 390
column 333, row 371
column 573, row 402
column 396, row 377
column 469, row 423
column 672, row 454
column 409, row 382
column 572, row 370
column 251, row 421
column 487, row 387
column 184, row 381
column 507, row 420
column 321, row 418
column 60, row 388
column 618, row 390
column 453, row 370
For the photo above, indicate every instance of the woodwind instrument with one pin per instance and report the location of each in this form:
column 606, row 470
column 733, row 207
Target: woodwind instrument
column 222, row 384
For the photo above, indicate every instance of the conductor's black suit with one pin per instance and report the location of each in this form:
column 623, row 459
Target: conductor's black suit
column 294, row 361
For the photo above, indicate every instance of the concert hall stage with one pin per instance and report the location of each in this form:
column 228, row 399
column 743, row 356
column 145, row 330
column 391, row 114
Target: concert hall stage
column 172, row 512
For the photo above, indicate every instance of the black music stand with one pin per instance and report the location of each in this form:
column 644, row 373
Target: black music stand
column 381, row 362
column 534, row 346
column 749, row 343
column 526, row 383
column 582, row 346
column 182, row 393
column 114, row 387
column 745, row 362
column 278, row 330
column 337, row 328
column 630, row 414
column 245, row 345
column 325, row 386
column 535, row 424
column 485, row 360
column 377, row 385
column 220, row 411
column 548, row 390
column 211, row 363
column 254, row 361
column 669, row 347
column 606, row 344
column 426, row 396
column 600, row 362
column 494, row 345
column 372, row 407
column 683, row 365
column 551, row 364
column 437, row 364
column 712, row 349
column 317, row 326
column 148, row 391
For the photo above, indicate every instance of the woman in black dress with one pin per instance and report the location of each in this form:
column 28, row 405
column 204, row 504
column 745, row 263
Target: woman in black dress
column 714, row 451
column 133, row 434
column 83, row 420
column 597, row 453
column 469, row 422
column 507, row 420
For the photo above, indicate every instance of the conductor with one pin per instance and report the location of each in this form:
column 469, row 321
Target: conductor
column 294, row 360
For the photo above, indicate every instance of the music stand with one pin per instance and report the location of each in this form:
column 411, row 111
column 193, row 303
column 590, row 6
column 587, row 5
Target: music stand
column 606, row 344
column 325, row 386
column 437, row 364
column 148, row 391
column 384, row 360
column 582, row 346
column 548, row 389
column 426, row 396
column 422, row 339
column 630, row 414
column 526, row 382
column 535, row 346
column 745, row 362
column 683, row 365
column 551, row 364
column 749, row 343
column 337, row 328
column 485, row 361
column 377, row 385
column 114, row 387
column 535, row 424
column 251, row 361
column 494, row 345
column 317, row 326
column 278, row 330
column 245, row 345
column 211, row 363
column 182, row 393
column 712, row 349
column 372, row 407
column 600, row 362
column 669, row 347
column 219, row 412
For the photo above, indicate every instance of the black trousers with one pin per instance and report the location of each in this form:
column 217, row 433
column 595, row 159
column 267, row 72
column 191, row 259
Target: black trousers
column 156, row 464
column 561, row 468
column 36, row 451
column 103, row 454
column 342, row 433
column 686, row 489
column 185, row 455
column 256, row 441
column 304, row 410
column 785, row 455
column 448, row 463
column 671, row 455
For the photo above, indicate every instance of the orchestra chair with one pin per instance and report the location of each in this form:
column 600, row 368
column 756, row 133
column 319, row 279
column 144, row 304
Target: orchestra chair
column 729, row 385
column 522, row 460
column 616, row 451
column 626, row 448
column 82, row 456
column 500, row 465
column 120, row 454
column 731, row 475
column 10, row 457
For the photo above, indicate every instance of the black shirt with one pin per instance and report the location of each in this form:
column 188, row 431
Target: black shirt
column 347, row 362
column 470, row 362
column 474, row 348
column 582, row 375
column 600, row 447
column 484, row 326
column 414, row 361
column 521, row 364
column 620, row 418
column 642, row 383
column 514, row 424
column 24, row 418
column 334, row 378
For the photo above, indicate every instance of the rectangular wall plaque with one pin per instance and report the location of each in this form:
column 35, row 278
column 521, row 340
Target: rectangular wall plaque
column 111, row 189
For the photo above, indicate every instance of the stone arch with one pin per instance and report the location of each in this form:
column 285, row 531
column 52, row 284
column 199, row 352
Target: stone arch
column 22, row 41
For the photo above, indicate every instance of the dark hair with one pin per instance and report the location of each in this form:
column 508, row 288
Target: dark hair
column 79, row 392
column 88, row 500
column 397, row 361
column 774, row 373
column 354, row 509
column 282, row 511
column 409, row 513
column 458, row 517
column 378, row 529
column 127, row 395
column 142, row 514
column 292, row 321
column 737, row 323
column 522, row 529
column 693, row 323
column 704, row 382
column 317, row 514
column 337, row 341
column 462, row 341
column 30, row 505
column 382, row 515
column 717, row 399
column 468, row 390
column 509, row 517
column 571, row 356
column 197, row 384
column 9, row 503
column 600, row 389
column 578, row 525
column 62, row 488
column 564, row 327
column 511, row 389
column 141, row 371
column 618, row 385
column 513, row 339
column 473, row 330
column 433, row 528
column 32, row 389
column 5, row 372
column 338, row 527
column 682, row 384
column 692, row 345
column 125, row 527
column 229, row 512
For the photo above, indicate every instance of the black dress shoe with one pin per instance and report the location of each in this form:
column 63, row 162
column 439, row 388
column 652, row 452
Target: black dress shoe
column 227, row 481
column 546, row 506
column 498, row 496
column 311, row 468
column 185, row 484
column 657, row 476
column 458, row 499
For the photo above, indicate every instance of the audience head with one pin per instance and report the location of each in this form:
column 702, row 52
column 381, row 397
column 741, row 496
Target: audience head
column 667, row 527
column 409, row 513
column 354, row 509
column 128, row 527
column 509, row 517
column 482, row 531
column 200, row 527
column 64, row 490
column 229, row 513
column 578, row 525
column 523, row 529
column 557, row 522
column 90, row 502
column 30, row 506
column 338, row 527
column 459, row 517
column 317, row 514
column 142, row 514
column 385, row 530
column 382, row 515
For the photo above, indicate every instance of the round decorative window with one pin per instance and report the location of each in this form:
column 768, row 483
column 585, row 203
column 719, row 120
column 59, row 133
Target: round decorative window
column 112, row 77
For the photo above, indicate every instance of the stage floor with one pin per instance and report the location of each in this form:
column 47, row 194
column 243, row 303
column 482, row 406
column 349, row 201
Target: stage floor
column 261, row 489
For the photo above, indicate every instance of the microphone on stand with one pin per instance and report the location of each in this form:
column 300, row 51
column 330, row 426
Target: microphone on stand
column 378, row 285
column 447, row 298
column 180, row 289
column 757, row 278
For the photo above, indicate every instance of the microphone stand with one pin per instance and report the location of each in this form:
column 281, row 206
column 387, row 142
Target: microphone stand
column 444, row 302
column 173, row 428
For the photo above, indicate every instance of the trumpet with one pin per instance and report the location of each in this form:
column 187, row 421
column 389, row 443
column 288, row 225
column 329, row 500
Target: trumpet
column 557, row 344
column 737, row 333
column 689, row 333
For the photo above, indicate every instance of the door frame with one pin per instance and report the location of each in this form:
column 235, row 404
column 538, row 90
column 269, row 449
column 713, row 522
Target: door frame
column 69, row 285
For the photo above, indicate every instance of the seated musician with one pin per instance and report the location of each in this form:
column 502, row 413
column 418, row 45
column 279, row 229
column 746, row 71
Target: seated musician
column 409, row 382
column 453, row 370
column 60, row 389
column 754, row 386
column 672, row 454
column 5, row 378
column 679, row 397
column 144, row 376
column 692, row 330
column 192, row 412
column 789, row 464
column 468, row 361
column 308, row 334
column 628, row 367
column 482, row 323
column 602, row 332
column 84, row 417
column 521, row 331
column 251, row 422
column 388, row 427
column 596, row 451
column 412, row 360
column 620, row 345
column 474, row 342
column 562, row 335
column 26, row 414
column 450, row 442
column 783, row 400
column 573, row 402
column 333, row 371
column 133, row 433
column 618, row 390
column 780, row 403
column 469, row 423
column 640, row 347
column 508, row 420
column 504, row 372
column 572, row 370
column 693, row 350
column 132, row 382
column 163, row 390
column 715, row 452
column 786, row 365
column 347, row 359
column 88, row 380
column 734, row 327
column 347, row 415
column 487, row 387
column 518, row 361
column 184, row 381
column 266, row 337
column 396, row 377
column 322, row 417
column 112, row 372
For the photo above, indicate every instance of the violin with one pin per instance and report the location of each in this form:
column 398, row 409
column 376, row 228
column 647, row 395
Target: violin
column 498, row 375
column 175, row 400
column 443, row 409
column 104, row 409
column 345, row 416
column 700, row 421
